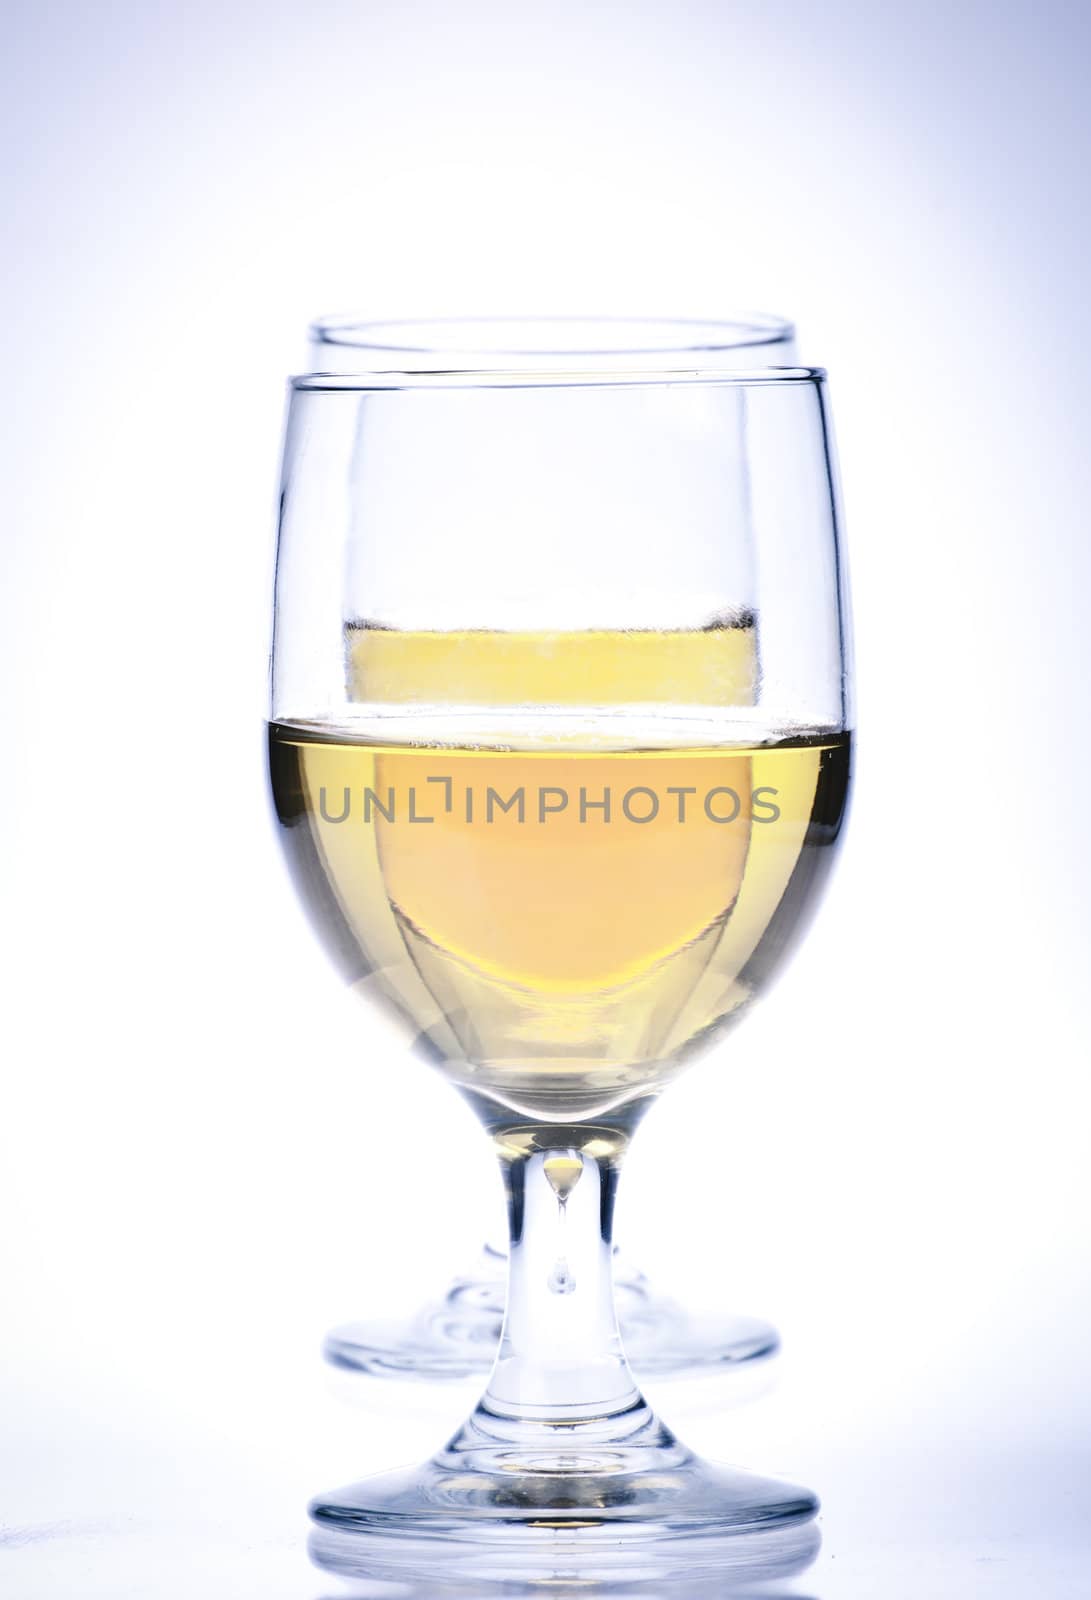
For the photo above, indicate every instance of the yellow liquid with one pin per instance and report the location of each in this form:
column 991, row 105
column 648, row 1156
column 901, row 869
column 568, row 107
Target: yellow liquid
column 712, row 666
column 556, row 956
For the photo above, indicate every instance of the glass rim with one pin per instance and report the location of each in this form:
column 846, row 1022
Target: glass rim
column 382, row 381
column 594, row 337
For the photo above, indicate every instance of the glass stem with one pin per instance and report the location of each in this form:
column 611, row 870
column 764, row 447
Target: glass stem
column 560, row 1359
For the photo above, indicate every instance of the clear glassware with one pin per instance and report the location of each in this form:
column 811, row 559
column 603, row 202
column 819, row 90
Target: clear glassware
column 456, row 1334
column 561, row 753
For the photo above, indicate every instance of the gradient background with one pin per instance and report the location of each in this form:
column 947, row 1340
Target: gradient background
column 209, row 1153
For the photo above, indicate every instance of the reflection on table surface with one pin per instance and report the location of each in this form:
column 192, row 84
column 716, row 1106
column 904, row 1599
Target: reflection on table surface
column 123, row 1559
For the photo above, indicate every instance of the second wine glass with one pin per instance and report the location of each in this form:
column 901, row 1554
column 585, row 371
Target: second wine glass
column 456, row 1334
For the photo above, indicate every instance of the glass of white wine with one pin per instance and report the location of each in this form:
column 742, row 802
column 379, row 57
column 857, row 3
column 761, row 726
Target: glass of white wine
column 560, row 749
column 457, row 1333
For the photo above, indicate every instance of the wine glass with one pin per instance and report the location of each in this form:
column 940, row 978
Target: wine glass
column 561, row 751
column 456, row 1334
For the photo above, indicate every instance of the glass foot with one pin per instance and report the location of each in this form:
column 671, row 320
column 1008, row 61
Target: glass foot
column 456, row 1337
column 488, row 1509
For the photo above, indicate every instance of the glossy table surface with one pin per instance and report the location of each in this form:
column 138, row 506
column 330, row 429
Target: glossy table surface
column 108, row 1507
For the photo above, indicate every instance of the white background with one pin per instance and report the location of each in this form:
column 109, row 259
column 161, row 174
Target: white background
column 209, row 1152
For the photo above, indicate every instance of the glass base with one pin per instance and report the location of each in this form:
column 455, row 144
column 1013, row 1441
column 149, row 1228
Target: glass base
column 456, row 1337
column 492, row 1510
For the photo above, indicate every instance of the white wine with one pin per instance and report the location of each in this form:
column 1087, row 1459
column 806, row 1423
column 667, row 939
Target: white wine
column 562, row 921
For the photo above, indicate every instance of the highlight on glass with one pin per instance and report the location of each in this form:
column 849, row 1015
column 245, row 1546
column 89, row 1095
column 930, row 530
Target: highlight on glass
column 560, row 749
